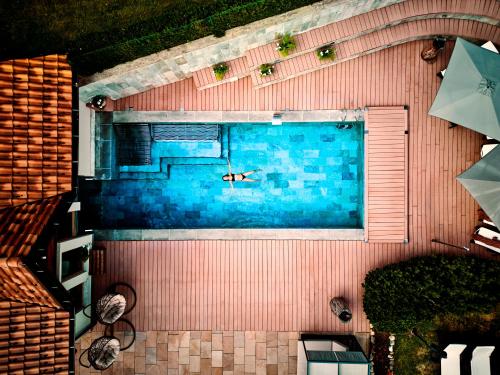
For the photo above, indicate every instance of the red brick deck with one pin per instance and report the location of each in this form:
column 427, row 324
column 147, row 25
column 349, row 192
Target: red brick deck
column 286, row 285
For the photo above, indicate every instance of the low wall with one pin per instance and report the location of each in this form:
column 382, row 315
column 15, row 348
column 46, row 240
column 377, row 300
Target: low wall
column 180, row 62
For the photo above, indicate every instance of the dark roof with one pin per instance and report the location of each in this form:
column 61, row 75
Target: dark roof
column 35, row 129
column 20, row 226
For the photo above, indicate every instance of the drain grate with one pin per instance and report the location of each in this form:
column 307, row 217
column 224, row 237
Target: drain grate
column 186, row 132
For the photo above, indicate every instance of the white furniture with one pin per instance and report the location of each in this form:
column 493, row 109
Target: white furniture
column 489, row 46
column 480, row 363
column 451, row 364
column 487, row 148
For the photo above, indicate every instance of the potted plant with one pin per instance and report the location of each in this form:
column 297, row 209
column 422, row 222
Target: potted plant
column 266, row 70
column 285, row 44
column 430, row 54
column 98, row 102
column 220, row 70
column 326, row 52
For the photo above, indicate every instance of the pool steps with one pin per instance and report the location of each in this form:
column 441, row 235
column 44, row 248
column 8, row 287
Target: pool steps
column 162, row 164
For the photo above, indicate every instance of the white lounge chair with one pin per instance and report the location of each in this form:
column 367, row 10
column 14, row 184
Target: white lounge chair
column 480, row 363
column 487, row 238
column 487, row 148
column 451, row 364
column 488, row 233
column 490, row 46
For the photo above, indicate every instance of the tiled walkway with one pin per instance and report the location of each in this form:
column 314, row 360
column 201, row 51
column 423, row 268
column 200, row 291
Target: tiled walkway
column 203, row 352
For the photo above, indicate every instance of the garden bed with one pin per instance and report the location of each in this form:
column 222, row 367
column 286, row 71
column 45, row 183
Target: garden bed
column 99, row 35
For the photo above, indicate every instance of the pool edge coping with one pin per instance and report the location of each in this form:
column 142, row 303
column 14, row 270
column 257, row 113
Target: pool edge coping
column 330, row 115
column 348, row 234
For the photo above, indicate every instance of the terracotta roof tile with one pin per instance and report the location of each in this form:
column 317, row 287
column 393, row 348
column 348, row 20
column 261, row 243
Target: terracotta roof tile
column 35, row 125
column 33, row 339
column 20, row 226
column 20, row 285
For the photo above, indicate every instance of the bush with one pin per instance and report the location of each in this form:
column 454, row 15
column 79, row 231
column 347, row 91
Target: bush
column 220, row 71
column 285, row 44
column 327, row 52
column 266, row 70
column 400, row 295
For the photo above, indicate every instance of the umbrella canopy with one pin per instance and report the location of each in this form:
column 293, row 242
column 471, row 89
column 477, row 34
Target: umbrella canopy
column 469, row 93
column 482, row 180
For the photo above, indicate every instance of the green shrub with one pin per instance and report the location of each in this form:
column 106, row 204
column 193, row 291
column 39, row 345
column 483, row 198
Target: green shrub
column 266, row 70
column 88, row 59
column 326, row 52
column 220, row 71
column 285, row 44
column 400, row 295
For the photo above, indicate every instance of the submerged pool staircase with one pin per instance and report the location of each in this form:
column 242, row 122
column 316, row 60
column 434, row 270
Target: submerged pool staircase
column 172, row 145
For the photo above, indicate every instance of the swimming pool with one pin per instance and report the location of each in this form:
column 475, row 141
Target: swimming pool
column 310, row 176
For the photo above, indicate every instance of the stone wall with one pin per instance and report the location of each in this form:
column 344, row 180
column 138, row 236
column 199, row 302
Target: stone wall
column 180, row 62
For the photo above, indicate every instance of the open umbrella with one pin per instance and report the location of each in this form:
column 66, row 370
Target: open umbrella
column 469, row 93
column 482, row 180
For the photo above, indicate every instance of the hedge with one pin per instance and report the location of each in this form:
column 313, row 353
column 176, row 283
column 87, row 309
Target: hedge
column 399, row 296
column 217, row 23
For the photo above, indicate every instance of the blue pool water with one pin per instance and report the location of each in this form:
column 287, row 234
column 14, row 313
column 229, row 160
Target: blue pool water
column 311, row 176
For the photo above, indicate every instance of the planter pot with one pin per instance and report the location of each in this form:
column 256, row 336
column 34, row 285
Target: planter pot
column 339, row 307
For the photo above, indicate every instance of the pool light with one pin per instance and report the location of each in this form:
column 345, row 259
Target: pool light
column 277, row 119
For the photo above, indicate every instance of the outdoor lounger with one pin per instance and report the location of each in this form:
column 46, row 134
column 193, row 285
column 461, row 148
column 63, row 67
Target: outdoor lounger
column 480, row 363
column 451, row 364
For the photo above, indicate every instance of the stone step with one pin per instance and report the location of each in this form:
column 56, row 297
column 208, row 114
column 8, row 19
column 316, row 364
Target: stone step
column 205, row 78
column 366, row 23
column 162, row 164
column 373, row 42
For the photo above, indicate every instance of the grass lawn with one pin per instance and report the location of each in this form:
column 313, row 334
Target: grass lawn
column 101, row 34
column 412, row 356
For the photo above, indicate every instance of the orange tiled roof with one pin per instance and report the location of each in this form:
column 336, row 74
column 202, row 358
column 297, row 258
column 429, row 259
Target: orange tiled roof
column 20, row 285
column 35, row 129
column 33, row 339
column 35, row 167
column 34, row 329
column 20, row 226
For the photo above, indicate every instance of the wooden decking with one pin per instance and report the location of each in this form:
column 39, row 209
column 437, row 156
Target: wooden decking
column 278, row 285
column 386, row 174
column 286, row 285
column 360, row 35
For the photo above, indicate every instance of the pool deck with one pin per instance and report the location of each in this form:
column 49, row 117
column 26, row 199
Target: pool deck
column 285, row 285
column 386, row 174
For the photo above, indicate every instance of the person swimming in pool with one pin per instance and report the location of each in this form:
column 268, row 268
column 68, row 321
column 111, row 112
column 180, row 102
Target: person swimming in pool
column 243, row 177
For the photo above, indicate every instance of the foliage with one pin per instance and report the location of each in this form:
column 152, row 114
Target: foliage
column 285, row 44
column 326, row 52
column 100, row 35
column 400, row 295
column 220, row 70
column 412, row 357
column 266, row 70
